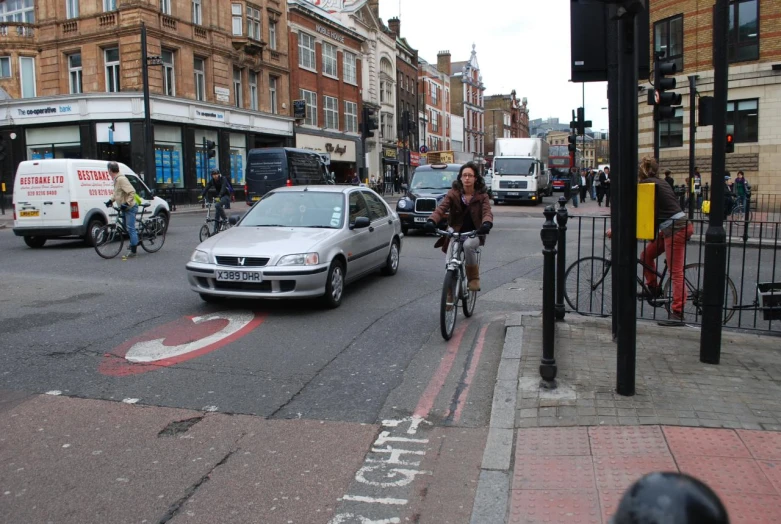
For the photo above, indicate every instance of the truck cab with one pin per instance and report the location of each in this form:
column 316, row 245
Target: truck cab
column 520, row 170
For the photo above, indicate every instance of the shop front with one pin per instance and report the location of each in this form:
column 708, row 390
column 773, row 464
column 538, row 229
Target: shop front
column 390, row 168
column 340, row 151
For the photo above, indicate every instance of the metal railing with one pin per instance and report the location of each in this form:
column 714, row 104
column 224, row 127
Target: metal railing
column 752, row 294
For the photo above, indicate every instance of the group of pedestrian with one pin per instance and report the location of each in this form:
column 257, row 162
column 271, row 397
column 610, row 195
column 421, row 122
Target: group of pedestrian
column 590, row 184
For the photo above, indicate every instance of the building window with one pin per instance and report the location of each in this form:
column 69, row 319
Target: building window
column 253, row 23
column 74, row 73
column 169, row 78
column 27, row 74
column 435, row 94
column 17, row 11
column 668, row 38
column 253, row 90
column 434, row 121
column 237, row 88
column 743, row 120
column 5, row 67
column 272, row 35
column 350, row 73
column 237, row 20
column 111, row 59
column 109, row 5
column 197, row 12
column 165, row 7
column 389, row 92
column 71, row 8
column 311, row 106
column 331, row 108
column 272, row 94
column 350, row 117
column 743, row 36
column 306, row 51
column 388, row 129
column 329, row 60
column 671, row 131
column 199, row 69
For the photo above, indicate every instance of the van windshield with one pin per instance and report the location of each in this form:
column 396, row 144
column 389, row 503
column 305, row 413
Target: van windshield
column 514, row 166
column 433, row 179
column 310, row 209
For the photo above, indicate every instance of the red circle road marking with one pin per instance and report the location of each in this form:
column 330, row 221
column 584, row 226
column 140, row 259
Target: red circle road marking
column 179, row 341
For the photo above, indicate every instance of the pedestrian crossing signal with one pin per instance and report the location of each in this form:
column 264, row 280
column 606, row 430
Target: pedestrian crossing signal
column 730, row 143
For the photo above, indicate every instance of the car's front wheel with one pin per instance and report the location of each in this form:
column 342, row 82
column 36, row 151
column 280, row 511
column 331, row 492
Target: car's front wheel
column 334, row 285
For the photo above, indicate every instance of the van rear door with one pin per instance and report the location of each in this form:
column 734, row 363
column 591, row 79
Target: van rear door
column 57, row 206
column 41, row 196
column 266, row 170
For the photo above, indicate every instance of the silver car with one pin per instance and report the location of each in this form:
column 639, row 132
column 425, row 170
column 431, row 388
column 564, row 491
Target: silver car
column 300, row 242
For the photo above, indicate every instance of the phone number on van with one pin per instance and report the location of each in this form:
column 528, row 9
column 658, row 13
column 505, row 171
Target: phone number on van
column 42, row 193
column 100, row 192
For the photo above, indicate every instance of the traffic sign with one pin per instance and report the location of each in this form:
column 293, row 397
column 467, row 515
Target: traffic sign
column 423, row 149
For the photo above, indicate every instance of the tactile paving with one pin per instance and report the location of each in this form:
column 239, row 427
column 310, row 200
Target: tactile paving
column 627, row 440
column 549, row 507
column 764, row 445
column 772, row 470
column 608, row 501
column 621, row 471
column 705, row 442
column 540, row 472
column 728, row 475
column 759, row 509
column 552, row 441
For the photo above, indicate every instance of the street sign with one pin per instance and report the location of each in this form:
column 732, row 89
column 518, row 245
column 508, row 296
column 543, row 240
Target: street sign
column 299, row 109
column 423, row 149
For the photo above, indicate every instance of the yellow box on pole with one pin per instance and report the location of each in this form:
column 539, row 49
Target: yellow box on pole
column 646, row 211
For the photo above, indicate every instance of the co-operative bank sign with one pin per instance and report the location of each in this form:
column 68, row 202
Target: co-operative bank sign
column 50, row 110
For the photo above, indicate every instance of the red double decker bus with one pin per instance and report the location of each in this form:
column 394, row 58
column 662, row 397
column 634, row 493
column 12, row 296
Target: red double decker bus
column 560, row 163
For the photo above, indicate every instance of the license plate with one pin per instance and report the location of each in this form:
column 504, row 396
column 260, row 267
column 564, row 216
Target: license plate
column 35, row 213
column 239, row 276
column 513, row 194
column 420, row 219
column 255, row 198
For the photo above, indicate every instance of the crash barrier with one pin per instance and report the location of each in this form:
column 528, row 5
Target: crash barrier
column 752, row 289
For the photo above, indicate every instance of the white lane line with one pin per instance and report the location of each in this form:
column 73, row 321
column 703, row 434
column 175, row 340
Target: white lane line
column 374, row 500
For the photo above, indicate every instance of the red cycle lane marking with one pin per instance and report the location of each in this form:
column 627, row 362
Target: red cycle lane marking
column 471, row 372
column 179, row 341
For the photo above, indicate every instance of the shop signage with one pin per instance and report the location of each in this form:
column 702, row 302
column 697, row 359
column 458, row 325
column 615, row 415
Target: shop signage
column 330, row 34
column 203, row 114
column 390, row 153
column 299, row 109
column 222, row 94
column 49, row 110
column 414, row 159
column 337, row 150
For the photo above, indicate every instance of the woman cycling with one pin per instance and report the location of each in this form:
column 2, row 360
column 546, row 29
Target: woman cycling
column 467, row 208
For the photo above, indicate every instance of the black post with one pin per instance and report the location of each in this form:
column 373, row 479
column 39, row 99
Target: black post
column 561, row 258
column 715, row 237
column 626, row 200
column 656, row 125
column 692, row 132
column 548, row 235
column 615, row 149
column 149, row 149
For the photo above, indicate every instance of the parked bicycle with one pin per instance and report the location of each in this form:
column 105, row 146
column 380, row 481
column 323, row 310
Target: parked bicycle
column 207, row 229
column 454, row 287
column 588, row 288
column 110, row 238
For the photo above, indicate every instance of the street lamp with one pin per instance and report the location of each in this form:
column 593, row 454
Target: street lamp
column 149, row 153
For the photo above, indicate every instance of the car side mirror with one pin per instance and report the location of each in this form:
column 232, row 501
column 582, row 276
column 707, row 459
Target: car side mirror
column 361, row 223
column 233, row 220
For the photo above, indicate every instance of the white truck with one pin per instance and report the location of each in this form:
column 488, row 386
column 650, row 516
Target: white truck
column 520, row 170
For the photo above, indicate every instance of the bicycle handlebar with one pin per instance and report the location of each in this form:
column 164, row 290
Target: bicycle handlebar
column 455, row 235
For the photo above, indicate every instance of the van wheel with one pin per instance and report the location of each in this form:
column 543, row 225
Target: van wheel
column 93, row 227
column 166, row 218
column 35, row 242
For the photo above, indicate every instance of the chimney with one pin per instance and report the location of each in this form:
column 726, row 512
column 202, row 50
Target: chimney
column 443, row 62
column 394, row 24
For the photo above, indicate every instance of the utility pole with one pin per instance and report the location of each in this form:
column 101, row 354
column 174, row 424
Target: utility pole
column 715, row 237
column 692, row 132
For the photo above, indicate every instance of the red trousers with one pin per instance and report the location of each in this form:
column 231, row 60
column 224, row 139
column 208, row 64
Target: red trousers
column 674, row 248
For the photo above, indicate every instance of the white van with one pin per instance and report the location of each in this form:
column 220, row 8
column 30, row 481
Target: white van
column 57, row 198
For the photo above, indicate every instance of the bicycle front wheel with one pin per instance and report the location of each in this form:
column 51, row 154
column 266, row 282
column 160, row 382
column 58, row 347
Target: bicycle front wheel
column 588, row 286
column 693, row 276
column 468, row 301
column 205, row 233
column 449, row 304
column 108, row 241
column 152, row 235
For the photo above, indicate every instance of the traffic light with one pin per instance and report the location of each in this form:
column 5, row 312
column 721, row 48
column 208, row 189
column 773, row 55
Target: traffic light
column 730, row 143
column 662, row 97
column 210, row 151
column 572, row 139
column 369, row 122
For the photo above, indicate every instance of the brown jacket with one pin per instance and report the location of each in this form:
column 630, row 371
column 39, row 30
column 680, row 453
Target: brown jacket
column 124, row 193
column 479, row 207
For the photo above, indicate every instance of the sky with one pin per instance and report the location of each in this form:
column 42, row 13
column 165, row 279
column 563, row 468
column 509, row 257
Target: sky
column 521, row 44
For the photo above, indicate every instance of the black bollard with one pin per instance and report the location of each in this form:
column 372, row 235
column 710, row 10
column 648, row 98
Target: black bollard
column 706, row 191
column 548, row 235
column 561, row 258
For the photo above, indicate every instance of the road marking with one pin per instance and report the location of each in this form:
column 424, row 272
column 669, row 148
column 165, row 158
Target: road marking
column 54, row 392
column 374, row 500
column 471, row 373
column 179, row 341
column 130, row 400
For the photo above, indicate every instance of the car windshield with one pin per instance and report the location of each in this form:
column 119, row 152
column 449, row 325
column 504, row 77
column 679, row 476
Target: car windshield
column 514, row 166
column 310, row 209
column 434, row 179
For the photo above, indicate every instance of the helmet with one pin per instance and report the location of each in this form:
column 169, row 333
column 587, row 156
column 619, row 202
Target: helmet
column 726, row 177
column 113, row 167
column 670, row 497
column 215, row 171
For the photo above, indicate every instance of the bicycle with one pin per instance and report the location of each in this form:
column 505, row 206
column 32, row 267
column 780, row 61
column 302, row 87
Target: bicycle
column 454, row 287
column 590, row 277
column 110, row 238
column 207, row 230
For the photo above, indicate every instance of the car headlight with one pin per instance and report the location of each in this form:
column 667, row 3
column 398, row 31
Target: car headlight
column 202, row 257
column 301, row 259
column 403, row 203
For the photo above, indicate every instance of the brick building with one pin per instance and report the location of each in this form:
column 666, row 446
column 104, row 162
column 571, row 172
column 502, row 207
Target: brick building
column 326, row 71
column 406, row 102
column 467, row 88
column 684, row 30
column 434, row 99
column 505, row 117
column 71, row 74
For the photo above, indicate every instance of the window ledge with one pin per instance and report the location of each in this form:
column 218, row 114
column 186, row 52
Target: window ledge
column 333, row 77
column 307, row 69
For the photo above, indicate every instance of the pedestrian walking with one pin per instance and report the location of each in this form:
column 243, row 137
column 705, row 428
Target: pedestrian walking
column 668, row 177
column 606, row 185
column 583, row 185
column 741, row 188
column 592, row 189
column 598, row 186
column 574, row 186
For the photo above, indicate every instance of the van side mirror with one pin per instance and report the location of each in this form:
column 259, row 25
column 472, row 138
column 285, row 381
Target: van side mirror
column 361, row 223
